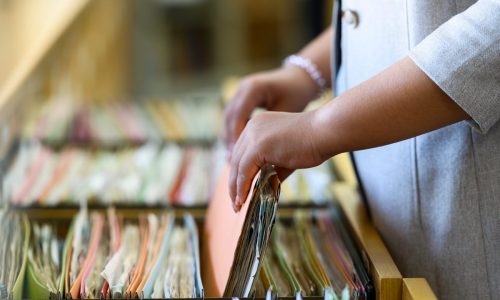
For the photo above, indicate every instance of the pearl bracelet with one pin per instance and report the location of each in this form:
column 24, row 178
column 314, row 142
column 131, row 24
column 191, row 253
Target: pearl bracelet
column 308, row 66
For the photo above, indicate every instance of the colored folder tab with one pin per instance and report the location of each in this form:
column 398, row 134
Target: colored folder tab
column 234, row 243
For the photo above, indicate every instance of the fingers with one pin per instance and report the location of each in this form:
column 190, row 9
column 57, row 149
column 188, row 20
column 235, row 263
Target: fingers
column 233, row 174
column 244, row 167
column 239, row 110
column 277, row 138
column 246, row 172
column 241, row 180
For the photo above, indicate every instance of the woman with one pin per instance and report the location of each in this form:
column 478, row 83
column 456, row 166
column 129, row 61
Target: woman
column 419, row 89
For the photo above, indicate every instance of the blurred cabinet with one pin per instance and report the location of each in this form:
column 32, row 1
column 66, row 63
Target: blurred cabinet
column 81, row 49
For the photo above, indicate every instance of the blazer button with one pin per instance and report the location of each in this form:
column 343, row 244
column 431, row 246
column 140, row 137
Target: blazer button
column 350, row 17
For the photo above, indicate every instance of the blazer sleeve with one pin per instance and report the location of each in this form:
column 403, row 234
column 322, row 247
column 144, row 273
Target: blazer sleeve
column 462, row 57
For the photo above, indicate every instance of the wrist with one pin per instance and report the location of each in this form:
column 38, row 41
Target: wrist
column 309, row 68
column 301, row 83
column 323, row 132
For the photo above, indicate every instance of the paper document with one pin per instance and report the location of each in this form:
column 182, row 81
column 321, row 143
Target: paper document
column 234, row 243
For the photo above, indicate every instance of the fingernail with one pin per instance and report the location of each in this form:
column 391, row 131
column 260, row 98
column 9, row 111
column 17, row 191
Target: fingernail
column 234, row 209
column 237, row 201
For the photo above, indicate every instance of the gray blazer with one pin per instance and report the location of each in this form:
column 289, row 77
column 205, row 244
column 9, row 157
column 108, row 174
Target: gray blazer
column 435, row 198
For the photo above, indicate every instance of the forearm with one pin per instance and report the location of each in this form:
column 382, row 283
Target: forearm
column 319, row 51
column 399, row 103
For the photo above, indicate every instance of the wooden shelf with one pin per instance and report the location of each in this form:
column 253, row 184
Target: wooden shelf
column 41, row 39
column 417, row 289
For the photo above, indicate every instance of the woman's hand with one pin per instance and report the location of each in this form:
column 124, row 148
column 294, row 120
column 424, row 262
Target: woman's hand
column 399, row 103
column 285, row 89
column 286, row 140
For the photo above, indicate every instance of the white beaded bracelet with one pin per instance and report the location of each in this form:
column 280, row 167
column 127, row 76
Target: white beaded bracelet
column 308, row 66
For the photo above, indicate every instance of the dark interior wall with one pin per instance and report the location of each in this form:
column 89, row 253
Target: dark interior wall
column 183, row 44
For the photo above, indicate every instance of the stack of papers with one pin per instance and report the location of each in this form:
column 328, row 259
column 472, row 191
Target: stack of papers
column 312, row 255
column 234, row 243
column 309, row 186
column 153, row 256
column 14, row 238
column 44, row 257
column 152, row 174
column 125, row 122
column 309, row 254
column 148, row 175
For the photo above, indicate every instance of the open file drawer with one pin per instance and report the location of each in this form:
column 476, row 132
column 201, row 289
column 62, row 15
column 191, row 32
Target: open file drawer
column 386, row 278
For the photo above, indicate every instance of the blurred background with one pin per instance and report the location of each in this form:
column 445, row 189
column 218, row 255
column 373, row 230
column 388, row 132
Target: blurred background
column 121, row 101
column 172, row 45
